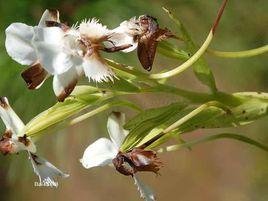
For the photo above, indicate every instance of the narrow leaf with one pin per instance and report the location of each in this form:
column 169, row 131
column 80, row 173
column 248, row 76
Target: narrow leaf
column 63, row 110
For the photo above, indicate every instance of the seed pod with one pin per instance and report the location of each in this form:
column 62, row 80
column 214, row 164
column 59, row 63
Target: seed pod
column 137, row 160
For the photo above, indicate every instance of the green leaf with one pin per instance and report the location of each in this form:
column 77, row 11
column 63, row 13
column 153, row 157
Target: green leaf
column 193, row 123
column 145, row 121
column 243, row 114
column 169, row 50
column 201, row 67
column 149, row 124
column 93, row 111
column 62, row 110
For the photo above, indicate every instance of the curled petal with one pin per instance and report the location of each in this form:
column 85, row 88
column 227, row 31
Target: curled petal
column 49, row 15
column 18, row 43
column 34, row 76
column 45, row 170
column 118, row 38
column 96, row 69
column 100, row 153
column 125, row 34
column 115, row 128
column 10, row 118
column 145, row 192
column 64, row 83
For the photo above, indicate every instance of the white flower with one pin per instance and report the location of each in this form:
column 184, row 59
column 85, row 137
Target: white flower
column 14, row 141
column 69, row 53
column 142, row 33
column 20, row 48
column 124, row 34
column 103, row 151
column 58, row 52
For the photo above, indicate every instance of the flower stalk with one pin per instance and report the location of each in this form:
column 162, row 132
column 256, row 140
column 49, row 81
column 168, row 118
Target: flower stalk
column 198, row 54
column 210, row 138
column 239, row 54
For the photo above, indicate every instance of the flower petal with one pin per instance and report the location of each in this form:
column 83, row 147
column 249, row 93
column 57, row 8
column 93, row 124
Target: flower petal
column 115, row 128
column 64, row 83
column 145, row 192
column 18, row 43
column 96, row 69
column 45, row 170
column 10, row 118
column 49, row 35
column 49, row 45
column 49, row 15
column 93, row 29
column 125, row 34
column 34, row 76
column 100, row 153
column 120, row 39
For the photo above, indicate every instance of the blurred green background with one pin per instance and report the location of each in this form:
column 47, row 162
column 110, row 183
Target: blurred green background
column 217, row 171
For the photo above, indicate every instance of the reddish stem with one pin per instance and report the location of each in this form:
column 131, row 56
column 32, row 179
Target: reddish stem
column 220, row 12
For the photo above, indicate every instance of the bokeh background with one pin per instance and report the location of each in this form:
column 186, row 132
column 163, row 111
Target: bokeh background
column 216, row 171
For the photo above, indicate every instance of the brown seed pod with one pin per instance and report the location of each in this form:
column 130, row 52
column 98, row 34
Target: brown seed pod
column 137, row 160
column 148, row 40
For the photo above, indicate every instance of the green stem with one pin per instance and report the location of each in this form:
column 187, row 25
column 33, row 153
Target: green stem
column 211, row 138
column 195, row 97
column 199, row 53
column 186, row 64
column 101, row 109
column 131, row 73
column 240, row 54
column 155, row 87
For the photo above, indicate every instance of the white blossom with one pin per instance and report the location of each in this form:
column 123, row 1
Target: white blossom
column 103, row 151
column 124, row 34
column 14, row 141
column 69, row 53
column 20, row 48
column 19, row 39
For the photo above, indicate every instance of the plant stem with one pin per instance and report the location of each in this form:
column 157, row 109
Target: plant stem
column 198, row 54
column 186, row 64
column 156, row 87
column 195, row 97
column 101, row 109
column 239, row 54
column 211, row 138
